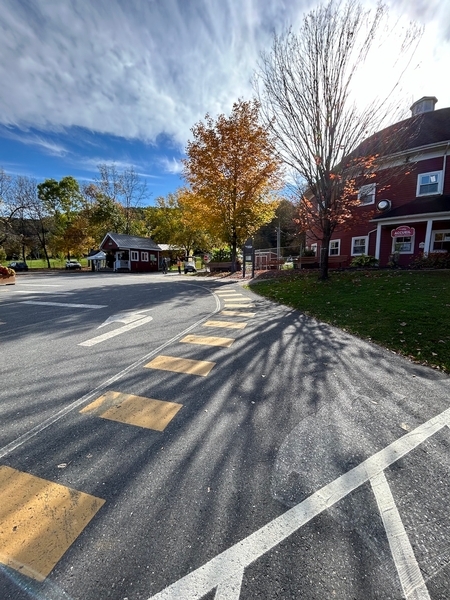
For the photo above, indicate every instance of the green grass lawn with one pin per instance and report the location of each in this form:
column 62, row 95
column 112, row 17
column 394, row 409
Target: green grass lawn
column 55, row 263
column 405, row 311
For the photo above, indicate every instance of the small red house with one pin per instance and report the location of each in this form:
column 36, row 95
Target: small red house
column 130, row 253
column 408, row 200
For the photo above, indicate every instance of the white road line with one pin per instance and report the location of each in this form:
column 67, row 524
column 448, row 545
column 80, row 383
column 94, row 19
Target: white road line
column 65, row 304
column 41, row 292
column 411, row 578
column 110, row 334
column 18, row 442
column 232, row 561
column 231, row 588
column 41, row 284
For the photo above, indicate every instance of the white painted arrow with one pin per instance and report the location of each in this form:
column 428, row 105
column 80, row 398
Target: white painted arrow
column 131, row 320
column 125, row 317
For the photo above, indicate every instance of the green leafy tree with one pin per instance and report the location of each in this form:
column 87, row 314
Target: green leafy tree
column 290, row 236
column 174, row 223
column 63, row 200
column 103, row 212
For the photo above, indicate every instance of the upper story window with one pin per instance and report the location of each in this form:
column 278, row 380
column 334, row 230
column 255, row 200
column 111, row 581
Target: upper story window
column 429, row 183
column 335, row 248
column 366, row 194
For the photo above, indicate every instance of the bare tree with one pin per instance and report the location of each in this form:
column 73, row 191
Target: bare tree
column 10, row 205
column 125, row 187
column 307, row 88
column 35, row 212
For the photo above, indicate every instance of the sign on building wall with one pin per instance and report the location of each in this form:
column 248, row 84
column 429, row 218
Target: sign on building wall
column 403, row 231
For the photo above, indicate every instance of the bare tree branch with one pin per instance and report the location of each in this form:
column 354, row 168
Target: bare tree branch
column 307, row 88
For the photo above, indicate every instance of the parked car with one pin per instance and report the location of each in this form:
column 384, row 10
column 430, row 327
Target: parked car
column 73, row 264
column 18, row 266
column 189, row 268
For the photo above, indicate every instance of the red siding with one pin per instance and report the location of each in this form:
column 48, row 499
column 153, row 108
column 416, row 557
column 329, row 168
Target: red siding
column 400, row 188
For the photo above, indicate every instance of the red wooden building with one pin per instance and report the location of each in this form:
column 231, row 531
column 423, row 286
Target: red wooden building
column 408, row 201
column 130, row 253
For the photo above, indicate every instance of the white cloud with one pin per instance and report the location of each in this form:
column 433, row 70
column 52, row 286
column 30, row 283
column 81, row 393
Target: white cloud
column 32, row 139
column 138, row 69
column 171, row 165
column 133, row 69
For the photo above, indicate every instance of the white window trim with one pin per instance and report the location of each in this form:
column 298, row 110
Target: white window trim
column 338, row 242
column 144, row 257
column 365, row 191
column 314, row 247
column 440, row 183
column 444, row 231
column 366, row 245
column 413, row 241
column 134, row 256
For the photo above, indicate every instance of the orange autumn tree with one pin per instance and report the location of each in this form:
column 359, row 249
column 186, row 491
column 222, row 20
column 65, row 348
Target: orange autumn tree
column 233, row 175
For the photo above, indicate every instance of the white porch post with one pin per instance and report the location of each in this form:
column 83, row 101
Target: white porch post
column 428, row 237
column 378, row 242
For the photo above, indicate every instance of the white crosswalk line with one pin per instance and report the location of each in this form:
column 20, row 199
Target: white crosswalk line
column 408, row 570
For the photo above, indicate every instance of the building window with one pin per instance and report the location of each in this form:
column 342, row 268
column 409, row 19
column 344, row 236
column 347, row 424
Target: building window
column 360, row 245
column 314, row 249
column 441, row 241
column 366, row 194
column 335, row 248
column 134, row 255
column 144, row 256
column 403, row 245
column 429, row 183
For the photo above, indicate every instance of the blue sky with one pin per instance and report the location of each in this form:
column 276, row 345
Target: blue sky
column 123, row 81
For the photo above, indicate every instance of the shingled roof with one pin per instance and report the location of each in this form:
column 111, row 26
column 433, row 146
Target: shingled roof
column 416, row 132
column 131, row 242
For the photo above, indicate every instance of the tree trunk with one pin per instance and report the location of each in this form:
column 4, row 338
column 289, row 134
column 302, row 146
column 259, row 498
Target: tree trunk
column 233, row 251
column 47, row 258
column 324, row 252
column 324, row 261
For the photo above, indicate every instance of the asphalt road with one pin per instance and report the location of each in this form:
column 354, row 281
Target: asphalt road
column 177, row 437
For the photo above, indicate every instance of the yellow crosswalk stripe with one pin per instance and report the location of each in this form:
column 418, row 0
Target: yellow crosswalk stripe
column 39, row 520
column 133, row 410
column 239, row 305
column 181, row 365
column 225, row 324
column 208, row 340
column 237, row 313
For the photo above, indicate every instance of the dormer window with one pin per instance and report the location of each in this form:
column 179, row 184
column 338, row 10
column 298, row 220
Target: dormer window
column 366, row 194
column 429, row 184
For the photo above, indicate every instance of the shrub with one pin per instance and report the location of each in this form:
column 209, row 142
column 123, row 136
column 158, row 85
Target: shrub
column 221, row 255
column 364, row 261
column 6, row 272
column 433, row 260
